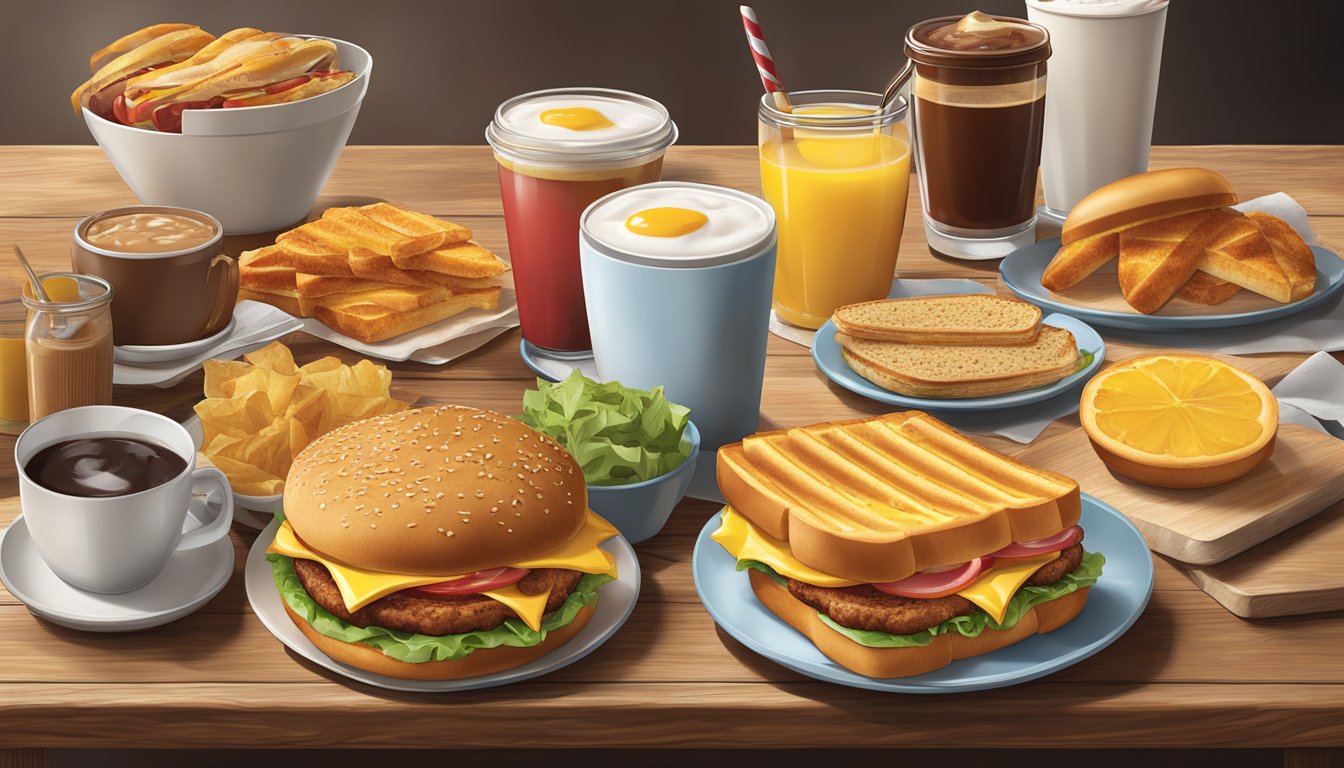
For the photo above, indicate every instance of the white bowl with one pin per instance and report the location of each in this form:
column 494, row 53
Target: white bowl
column 256, row 169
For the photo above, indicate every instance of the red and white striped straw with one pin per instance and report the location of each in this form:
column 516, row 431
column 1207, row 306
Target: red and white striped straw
column 765, row 64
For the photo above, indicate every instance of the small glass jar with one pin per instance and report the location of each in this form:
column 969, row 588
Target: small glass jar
column 69, row 346
column 13, row 367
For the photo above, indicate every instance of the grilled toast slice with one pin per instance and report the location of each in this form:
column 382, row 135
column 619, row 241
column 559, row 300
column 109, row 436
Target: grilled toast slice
column 266, row 269
column 1203, row 288
column 413, row 224
column 398, row 298
column 370, row 322
column 1075, row 261
column 1157, row 258
column 1241, row 254
column 284, row 301
column 315, row 286
column 968, row 318
column 457, row 260
column 1291, row 252
column 381, row 268
column 879, row 499
column 948, row 371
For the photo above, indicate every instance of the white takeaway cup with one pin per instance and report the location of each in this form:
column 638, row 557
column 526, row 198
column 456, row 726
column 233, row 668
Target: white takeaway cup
column 118, row 544
column 1104, row 67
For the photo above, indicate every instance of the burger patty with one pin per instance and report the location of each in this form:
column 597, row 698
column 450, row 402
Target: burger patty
column 433, row 615
column 863, row 606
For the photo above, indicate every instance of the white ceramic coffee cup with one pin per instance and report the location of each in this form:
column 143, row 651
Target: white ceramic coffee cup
column 117, row 544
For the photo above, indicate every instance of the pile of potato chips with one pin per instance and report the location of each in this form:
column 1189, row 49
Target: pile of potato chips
column 258, row 415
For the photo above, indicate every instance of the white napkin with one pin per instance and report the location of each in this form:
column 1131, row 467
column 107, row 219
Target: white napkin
column 439, row 342
column 1321, row 327
column 255, row 325
column 1312, row 394
column 900, row 289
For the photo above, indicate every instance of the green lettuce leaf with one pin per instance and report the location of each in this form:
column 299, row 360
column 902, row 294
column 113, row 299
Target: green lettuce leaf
column 1085, row 359
column 1085, row 575
column 415, row 648
column 617, row 434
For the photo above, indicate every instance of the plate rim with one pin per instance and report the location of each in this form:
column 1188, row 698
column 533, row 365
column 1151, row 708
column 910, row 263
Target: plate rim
column 256, row 559
column 970, row 404
column 895, row 685
column 146, row 620
column 1174, row 323
column 168, row 352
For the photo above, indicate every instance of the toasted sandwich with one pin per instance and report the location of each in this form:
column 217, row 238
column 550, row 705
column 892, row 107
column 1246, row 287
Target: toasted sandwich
column 897, row 546
column 157, row 73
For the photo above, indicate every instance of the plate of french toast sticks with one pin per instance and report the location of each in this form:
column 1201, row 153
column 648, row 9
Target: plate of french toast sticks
column 1164, row 249
column 978, row 572
column 375, row 272
column 957, row 352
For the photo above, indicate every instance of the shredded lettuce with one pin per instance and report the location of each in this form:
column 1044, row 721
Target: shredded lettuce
column 1085, row 575
column 617, row 434
column 416, row 648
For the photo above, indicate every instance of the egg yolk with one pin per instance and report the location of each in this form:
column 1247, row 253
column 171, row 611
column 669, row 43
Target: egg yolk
column 576, row 118
column 666, row 222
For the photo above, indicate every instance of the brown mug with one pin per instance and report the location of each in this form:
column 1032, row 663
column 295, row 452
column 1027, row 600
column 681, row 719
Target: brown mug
column 173, row 283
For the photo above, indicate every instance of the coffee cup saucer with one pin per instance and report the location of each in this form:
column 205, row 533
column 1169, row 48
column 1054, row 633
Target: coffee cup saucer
column 166, row 353
column 555, row 366
column 189, row 580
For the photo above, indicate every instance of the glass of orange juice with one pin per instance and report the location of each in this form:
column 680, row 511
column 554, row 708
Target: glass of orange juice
column 13, row 368
column 837, row 174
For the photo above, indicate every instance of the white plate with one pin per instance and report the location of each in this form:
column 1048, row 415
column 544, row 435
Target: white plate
column 167, row 353
column 616, row 601
column 245, row 508
column 190, row 579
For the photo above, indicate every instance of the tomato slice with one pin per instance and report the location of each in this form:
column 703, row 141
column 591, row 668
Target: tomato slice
column 1062, row 540
column 168, row 118
column 938, row 582
column 119, row 110
column 471, row 584
column 285, row 85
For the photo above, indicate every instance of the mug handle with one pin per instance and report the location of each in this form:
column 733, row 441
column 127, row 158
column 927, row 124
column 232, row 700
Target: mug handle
column 226, row 294
column 211, row 480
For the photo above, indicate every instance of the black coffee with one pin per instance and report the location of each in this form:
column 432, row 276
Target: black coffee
column 104, row 466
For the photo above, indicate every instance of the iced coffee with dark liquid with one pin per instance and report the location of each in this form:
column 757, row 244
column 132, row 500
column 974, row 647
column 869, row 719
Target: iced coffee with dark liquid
column 979, row 106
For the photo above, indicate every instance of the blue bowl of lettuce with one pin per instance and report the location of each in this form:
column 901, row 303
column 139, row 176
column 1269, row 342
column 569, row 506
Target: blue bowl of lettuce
column 637, row 449
column 640, row 510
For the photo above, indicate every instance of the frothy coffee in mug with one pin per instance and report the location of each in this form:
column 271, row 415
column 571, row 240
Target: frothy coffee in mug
column 149, row 232
column 104, row 466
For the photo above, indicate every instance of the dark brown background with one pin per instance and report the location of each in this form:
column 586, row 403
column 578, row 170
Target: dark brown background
column 1233, row 71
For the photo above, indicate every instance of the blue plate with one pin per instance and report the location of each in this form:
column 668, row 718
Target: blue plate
column 826, row 353
column 1022, row 269
column 1113, row 605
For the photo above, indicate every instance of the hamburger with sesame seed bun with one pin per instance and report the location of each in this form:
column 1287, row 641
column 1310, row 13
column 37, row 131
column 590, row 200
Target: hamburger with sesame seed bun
column 438, row 543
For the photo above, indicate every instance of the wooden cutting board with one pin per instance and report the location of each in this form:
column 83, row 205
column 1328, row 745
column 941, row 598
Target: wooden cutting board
column 1202, row 526
column 1295, row 572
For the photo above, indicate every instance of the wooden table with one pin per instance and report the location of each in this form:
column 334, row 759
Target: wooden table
column 1189, row 674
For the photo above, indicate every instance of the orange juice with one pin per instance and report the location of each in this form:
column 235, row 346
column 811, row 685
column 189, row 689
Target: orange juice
column 13, row 369
column 839, row 193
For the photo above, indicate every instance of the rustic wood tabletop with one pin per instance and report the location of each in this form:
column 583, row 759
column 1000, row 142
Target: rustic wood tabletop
column 1188, row 674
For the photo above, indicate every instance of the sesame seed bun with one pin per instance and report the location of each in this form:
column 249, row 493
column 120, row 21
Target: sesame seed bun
column 441, row 490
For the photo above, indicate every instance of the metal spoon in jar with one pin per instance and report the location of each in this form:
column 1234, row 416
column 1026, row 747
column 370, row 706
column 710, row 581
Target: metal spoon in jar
column 59, row 328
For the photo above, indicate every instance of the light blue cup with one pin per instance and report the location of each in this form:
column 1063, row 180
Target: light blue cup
column 640, row 510
column 693, row 323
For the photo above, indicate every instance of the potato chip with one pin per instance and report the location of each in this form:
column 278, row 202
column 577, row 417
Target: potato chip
column 218, row 374
column 273, row 357
column 249, row 480
column 260, row 414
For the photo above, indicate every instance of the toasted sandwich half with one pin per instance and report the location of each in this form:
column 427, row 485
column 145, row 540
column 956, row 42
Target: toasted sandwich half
column 897, row 546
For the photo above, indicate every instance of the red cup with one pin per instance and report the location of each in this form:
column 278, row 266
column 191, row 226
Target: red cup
column 558, row 152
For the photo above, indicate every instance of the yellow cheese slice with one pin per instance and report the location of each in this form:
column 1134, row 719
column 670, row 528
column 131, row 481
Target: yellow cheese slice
column 528, row 607
column 745, row 542
column 991, row 592
column 996, row 586
column 360, row 586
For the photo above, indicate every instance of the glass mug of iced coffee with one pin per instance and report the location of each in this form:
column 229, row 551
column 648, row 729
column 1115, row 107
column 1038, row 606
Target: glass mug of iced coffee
column 979, row 107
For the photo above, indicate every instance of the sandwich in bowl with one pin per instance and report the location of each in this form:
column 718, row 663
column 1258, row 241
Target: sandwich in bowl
column 897, row 546
column 438, row 543
column 148, row 78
